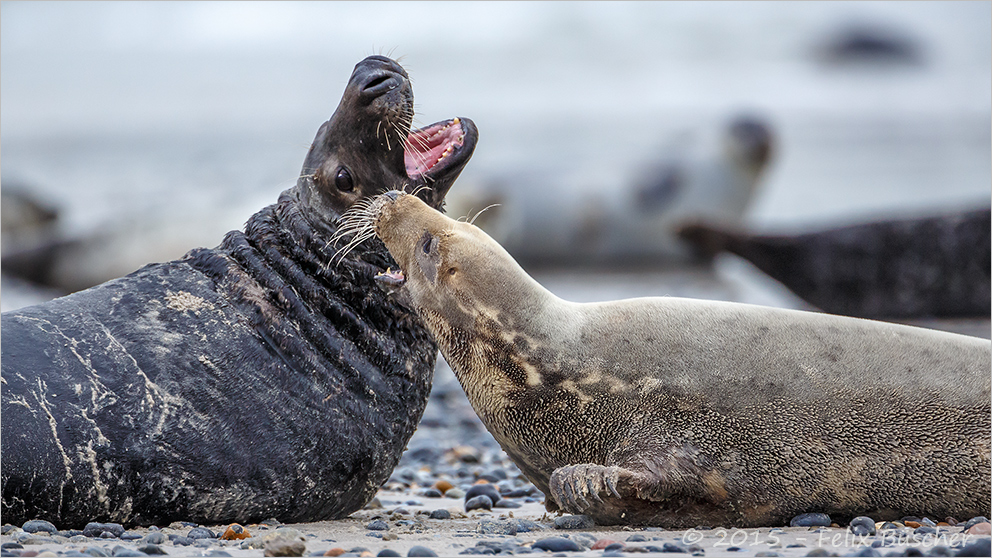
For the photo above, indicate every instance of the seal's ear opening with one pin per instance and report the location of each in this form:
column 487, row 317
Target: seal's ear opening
column 427, row 256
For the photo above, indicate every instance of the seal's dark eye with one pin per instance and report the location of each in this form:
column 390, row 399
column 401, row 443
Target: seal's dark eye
column 343, row 180
column 452, row 271
column 427, row 247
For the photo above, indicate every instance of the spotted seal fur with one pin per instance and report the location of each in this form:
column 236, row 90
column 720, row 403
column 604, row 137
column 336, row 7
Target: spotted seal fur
column 266, row 377
column 679, row 412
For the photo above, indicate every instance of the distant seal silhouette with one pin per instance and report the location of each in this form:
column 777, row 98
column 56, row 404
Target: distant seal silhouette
column 597, row 213
column 937, row 266
column 679, row 412
column 262, row 378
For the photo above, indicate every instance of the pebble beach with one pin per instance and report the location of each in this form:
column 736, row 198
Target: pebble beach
column 456, row 493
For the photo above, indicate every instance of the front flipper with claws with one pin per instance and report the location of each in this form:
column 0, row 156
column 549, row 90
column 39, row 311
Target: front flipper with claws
column 579, row 488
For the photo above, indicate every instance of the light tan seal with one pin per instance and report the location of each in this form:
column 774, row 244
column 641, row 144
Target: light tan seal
column 680, row 412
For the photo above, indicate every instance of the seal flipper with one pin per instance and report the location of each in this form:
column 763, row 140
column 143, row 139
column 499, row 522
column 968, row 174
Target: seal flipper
column 573, row 486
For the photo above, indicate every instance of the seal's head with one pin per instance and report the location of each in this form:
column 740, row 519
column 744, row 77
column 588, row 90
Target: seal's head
column 448, row 269
column 368, row 147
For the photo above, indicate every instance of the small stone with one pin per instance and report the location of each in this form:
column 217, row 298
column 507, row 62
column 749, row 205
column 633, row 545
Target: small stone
column 235, row 532
column 217, row 552
column 124, row 551
column 454, row 492
column 556, row 544
column 94, row 529
column 420, row 551
column 431, row 493
column 940, row 550
column 40, row 525
column 155, row 537
column 505, row 504
column 911, row 523
column 443, row 486
column 602, row 544
column 483, row 489
column 974, row 521
column 440, row 514
column 336, row 551
column 819, row 552
column 636, row 538
column 574, row 522
column 950, row 521
column 810, row 520
column 377, row 525
column 617, row 546
column 182, row 541
column 479, row 502
column 526, row 526
column 107, row 535
column 388, row 552
column 285, row 547
column 980, row 529
column 130, row 536
column 867, row 552
column 487, row 527
column 767, row 553
column 926, row 530
column 862, row 526
column 201, row 533
column 152, row 549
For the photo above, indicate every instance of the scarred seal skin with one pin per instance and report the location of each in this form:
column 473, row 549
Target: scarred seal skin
column 679, row 412
column 263, row 378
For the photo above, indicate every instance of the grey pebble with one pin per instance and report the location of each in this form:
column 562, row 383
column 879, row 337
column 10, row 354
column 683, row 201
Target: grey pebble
column 574, row 522
column 503, row 503
column 488, row 527
column 819, row 552
column 526, row 525
column 925, row 530
column 940, row 551
column 377, row 525
column 675, row 547
column 388, row 552
column 217, row 552
column 483, row 489
column 73, row 552
column 440, row 514
column 7, row 528
column 971, row 522
column 124, row 551
column 95, row 551
column 862, row 526
column 479, row 502
column 39, row 525
column 152, row 549
column 810, row 520
column 767, row 553
column 94, row 529
column 454, row 493
column 867, row 551
column 130, row 536
column 107, row 535
column 636, row 538
column 431, row 493
column 201, row 533
column 180, row 540
column 556, row 544
column 155, row 537
column 420, row 551
column 283, row 547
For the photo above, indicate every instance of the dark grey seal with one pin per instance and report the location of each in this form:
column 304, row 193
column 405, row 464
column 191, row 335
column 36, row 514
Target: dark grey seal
column 262, row 378
column 930, row 267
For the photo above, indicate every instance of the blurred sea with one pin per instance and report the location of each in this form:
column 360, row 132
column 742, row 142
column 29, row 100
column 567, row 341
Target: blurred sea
column 125, row 114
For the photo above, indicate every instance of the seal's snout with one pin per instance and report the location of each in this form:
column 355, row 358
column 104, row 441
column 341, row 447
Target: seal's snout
column 376, row 76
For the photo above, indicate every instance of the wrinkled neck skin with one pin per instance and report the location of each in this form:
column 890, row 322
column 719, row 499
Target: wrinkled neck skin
column 283, row 274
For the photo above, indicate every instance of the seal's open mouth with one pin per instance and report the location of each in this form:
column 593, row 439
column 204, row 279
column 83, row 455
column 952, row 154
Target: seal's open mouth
column 390, row 278
column 429, row 151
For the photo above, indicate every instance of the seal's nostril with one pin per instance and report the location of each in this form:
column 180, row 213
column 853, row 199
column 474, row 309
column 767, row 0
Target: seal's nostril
column 381, row 84
column 393, row 194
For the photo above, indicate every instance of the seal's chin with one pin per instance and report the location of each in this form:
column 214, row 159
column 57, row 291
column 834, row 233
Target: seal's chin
column 429, row 151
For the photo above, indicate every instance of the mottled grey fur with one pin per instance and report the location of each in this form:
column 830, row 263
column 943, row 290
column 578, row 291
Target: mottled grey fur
column 679, row 412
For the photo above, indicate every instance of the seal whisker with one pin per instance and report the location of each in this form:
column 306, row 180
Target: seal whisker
column 481, row 211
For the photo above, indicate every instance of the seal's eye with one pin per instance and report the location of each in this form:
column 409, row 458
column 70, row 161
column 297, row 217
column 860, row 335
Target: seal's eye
column 343, row 180
column 427, row 247
column 452, row 271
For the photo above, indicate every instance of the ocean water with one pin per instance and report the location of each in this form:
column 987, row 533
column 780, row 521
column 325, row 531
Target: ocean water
column 124, row 114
